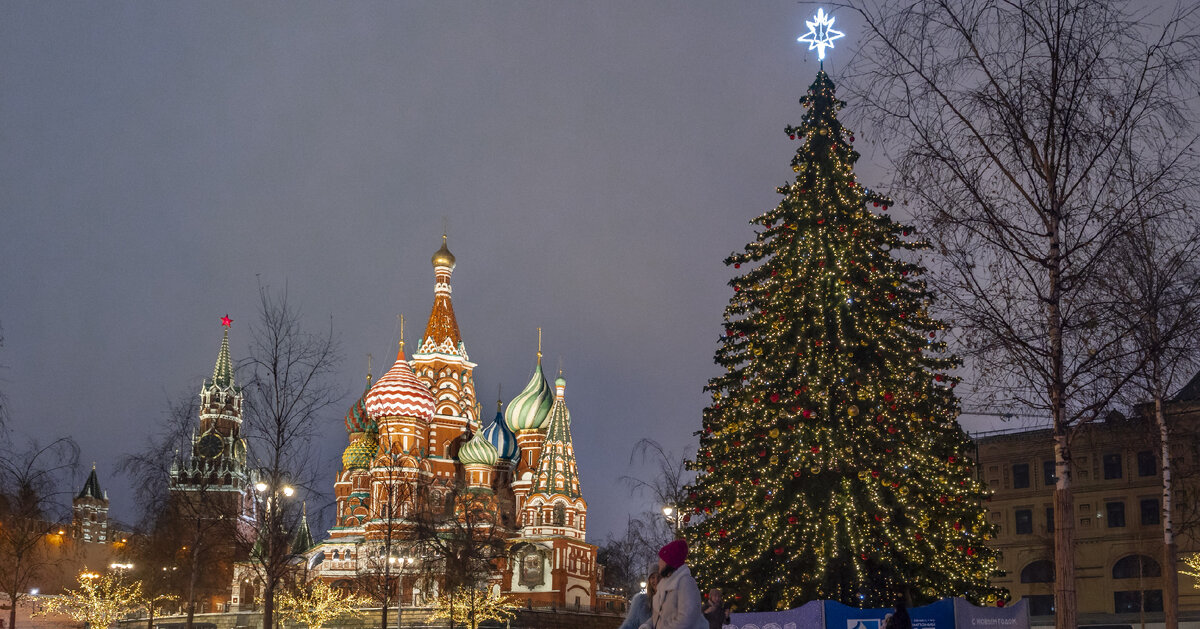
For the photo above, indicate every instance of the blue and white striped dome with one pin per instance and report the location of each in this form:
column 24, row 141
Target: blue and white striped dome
column 498, row 434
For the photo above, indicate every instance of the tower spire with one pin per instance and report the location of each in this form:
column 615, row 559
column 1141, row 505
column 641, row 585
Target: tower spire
column 441, row 333
column 223, row 370
column 539, row 346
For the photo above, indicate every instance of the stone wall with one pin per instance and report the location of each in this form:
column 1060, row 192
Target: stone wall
column 411, row 619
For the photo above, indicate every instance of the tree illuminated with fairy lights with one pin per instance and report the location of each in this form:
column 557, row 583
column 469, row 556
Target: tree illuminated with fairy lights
column 831, row 464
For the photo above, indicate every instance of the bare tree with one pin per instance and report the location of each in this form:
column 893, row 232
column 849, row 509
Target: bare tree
column 289, row 389
column 1030, row 134
column 457, row 533
column 378, row 570
column 32, row 543
column 190, row 512
column 1158, row 286
column 666, row 487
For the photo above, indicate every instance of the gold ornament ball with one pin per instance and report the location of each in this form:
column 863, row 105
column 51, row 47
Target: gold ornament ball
column 774, row 434
column 852, row 410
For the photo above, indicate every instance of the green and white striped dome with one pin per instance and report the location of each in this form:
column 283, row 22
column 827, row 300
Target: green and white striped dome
column 529, row 409
column 478, row 451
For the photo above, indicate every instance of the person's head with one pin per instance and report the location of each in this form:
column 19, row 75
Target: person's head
column 652, row 582
column 714, row 596
column 671, row 556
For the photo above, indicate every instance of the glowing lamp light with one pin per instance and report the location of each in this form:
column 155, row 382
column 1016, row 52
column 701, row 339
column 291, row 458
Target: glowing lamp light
column 288, row 491
column 820, row 33
column 667, row 511
column 260, row 486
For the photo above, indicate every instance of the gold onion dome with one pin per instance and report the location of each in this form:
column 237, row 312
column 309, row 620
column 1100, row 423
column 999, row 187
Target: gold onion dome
column 358, row 455
column 400, row 394
column 478, row 451
column 443, row 257
column 529, row 409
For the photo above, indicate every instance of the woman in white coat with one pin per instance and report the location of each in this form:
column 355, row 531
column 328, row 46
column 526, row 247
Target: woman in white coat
column 677, row 601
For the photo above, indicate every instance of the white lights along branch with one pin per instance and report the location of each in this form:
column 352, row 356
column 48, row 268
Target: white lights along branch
column 820, row 34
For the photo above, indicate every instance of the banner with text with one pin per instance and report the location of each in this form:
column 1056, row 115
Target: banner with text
column 968, row 616
column 808, row 616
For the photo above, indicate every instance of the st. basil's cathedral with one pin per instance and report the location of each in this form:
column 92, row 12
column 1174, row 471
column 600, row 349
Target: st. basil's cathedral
column 419, row 427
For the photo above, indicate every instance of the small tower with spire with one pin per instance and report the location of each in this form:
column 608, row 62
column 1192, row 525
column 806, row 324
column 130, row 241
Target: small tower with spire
column 217, row 460
column 440, row 360
column 89, row 512
column 555, row 505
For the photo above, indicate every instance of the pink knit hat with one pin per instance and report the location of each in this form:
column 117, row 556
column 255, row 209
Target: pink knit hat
column 674, row 554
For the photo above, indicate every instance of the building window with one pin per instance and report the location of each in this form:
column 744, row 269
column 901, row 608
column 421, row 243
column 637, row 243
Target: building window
column 1041, row 571
column 1048, row 477
column 1135, row 601
column 1150, row 511
column 1020, row 476
column 1040, row 604
column 1049, row 519
column 1112, row 466
column 1136, row 566
column 1024, row 521
column 1147, row 466
column 560, row 514
column 1115, row 513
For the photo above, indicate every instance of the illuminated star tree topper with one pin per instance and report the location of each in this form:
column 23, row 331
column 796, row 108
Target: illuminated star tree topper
column 226, row 321
column 820, row 34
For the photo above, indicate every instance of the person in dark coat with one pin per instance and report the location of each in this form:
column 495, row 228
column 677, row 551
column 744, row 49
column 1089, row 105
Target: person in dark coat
column 715, row 611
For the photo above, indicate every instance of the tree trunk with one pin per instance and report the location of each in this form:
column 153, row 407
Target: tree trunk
column 1064, row 537
column 12, row 613
column 192, row 578
column 268, row 603
column 387, row 591
column 150, row 620
column 1064, row 496
column 1170, row 556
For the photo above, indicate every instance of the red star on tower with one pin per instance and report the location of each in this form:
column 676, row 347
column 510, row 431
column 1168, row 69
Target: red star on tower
column 226, row 321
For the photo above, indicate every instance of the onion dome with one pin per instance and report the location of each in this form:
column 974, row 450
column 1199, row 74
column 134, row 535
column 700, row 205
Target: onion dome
column 359, row 454
column 528, row 410
column 357, row 418
column 498, row 434
column 443, row 257
column 400, row 394
column 478, row 451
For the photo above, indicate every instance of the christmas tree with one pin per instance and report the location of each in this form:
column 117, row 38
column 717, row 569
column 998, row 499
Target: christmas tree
column 831, row 464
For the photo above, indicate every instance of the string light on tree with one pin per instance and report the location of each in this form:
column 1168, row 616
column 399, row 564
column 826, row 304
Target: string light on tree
column 820, row 33
column 831, row 464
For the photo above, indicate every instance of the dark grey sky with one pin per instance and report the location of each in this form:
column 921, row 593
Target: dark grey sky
column 594, row 162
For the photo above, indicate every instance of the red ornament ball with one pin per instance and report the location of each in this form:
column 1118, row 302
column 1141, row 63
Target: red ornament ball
column 737, row 265
column 778, row 551
column 1000, row 603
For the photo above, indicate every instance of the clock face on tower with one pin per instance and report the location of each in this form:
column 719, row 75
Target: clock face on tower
column 210, row 446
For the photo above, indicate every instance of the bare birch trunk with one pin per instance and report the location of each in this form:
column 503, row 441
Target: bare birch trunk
column 1170, row 554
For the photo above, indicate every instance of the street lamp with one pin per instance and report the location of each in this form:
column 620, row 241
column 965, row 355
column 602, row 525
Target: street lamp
column 673, row 515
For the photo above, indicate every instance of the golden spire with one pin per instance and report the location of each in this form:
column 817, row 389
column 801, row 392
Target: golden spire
column 539, row 346
column 401, row 318
column 368, row 370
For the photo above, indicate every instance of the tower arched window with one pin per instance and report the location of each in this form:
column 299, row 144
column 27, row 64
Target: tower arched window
column 1136, row 566
column 539, row 515
column 560, row 514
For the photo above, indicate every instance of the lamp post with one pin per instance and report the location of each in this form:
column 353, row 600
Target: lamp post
column 674, row 516
column 272, row 527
